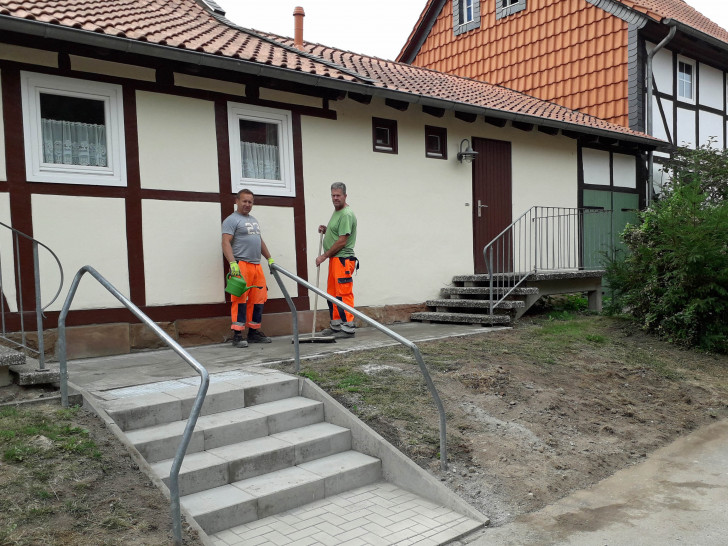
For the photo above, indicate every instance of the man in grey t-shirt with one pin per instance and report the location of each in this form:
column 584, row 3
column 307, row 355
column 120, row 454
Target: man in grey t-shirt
column 242, row 246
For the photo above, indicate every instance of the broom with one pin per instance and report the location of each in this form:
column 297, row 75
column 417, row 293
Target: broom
column 314, row 338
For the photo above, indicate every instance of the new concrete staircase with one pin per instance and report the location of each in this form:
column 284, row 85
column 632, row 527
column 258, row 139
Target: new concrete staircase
column 468, row 300
column 266, row 446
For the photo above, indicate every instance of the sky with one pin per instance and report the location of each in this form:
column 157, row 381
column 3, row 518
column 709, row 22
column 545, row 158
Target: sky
column 373, row 27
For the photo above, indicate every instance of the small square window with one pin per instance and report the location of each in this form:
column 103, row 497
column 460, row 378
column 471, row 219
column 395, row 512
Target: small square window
column 435, row 142
column 504, row 8
column 261, row 150
column 384, row 135
column 74, row 131
column 465, row 15
column 686, row 80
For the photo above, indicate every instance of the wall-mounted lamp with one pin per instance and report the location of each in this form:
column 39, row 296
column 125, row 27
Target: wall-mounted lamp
column 468, row 155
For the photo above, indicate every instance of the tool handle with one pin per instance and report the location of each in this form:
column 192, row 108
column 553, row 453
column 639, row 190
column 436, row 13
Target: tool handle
column 318, row 275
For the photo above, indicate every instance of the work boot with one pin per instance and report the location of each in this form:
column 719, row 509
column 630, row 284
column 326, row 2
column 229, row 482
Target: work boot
column 257, row 336
column 337, row 334
column 238, row 340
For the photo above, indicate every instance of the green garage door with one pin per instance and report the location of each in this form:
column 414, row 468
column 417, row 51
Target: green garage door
column 601, row 235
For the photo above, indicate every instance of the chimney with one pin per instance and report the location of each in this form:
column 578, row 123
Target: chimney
column 298, row 15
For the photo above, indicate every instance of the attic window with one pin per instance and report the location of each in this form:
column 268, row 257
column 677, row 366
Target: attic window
column 384, row 135
column 504, row 8
column 435, row 142
column 465, row 15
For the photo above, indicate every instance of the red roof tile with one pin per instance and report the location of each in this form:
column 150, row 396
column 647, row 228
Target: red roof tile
column 682, row 12
column 186, row 24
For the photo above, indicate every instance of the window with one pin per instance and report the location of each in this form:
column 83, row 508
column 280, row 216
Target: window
column 261, row 150
column 435, row 142
column 74, row 131
column 686, row 80
column 465, row 15
column 504, row 8
column 384, row 135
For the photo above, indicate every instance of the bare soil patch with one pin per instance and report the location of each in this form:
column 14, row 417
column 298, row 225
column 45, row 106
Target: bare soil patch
column 551, row 406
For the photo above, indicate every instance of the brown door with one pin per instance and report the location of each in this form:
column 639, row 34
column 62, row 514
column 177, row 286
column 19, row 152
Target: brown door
column 491, row 201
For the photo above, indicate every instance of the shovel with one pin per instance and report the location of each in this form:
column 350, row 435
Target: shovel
column 314, row 338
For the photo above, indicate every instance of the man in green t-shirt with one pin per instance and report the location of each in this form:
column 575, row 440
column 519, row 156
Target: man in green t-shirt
column 339, row 241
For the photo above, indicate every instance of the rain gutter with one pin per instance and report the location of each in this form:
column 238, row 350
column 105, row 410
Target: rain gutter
column 196, row 58
column 649, row 113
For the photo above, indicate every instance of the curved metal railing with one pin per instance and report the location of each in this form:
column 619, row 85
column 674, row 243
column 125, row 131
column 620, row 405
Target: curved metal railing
column 275, row 269
column 19, row 283
column 196, row 407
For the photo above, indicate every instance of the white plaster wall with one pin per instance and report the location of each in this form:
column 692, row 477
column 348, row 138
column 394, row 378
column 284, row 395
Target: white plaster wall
column 82, row 231
column 415, row 213
column 710, row 87
column 710, row 125
column 596, row 166
column 625, row 170
column 685, row 128
column 3, row 170
column 658, row 127
column 277, row 228
column 662, row 69
column 182, row 252
column 177, row 143
column 6, row 251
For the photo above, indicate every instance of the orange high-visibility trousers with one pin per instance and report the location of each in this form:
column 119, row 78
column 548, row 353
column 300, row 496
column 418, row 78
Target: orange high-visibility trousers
column 341, row 286
column 247, row 308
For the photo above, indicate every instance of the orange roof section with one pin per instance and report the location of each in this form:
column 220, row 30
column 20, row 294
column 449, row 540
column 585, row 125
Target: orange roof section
column 185, row 24
column 565, row 51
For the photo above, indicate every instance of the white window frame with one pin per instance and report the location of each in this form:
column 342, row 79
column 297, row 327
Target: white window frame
column 694, row 86
column 114, row 174
column 285, row 187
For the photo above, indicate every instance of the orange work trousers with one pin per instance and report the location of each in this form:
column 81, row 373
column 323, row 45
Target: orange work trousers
column 247, row 308
column 341, row 286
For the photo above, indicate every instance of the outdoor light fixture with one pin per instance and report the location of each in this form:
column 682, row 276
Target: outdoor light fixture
column 468, row 155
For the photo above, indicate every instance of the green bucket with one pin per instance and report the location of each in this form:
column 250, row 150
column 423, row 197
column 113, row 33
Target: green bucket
column 237, row 286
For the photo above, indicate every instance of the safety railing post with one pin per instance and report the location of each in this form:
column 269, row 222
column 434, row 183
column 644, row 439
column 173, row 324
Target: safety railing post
column 38, row 308
column 294, row 319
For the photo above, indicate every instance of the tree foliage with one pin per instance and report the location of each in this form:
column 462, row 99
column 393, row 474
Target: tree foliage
column 674, row 276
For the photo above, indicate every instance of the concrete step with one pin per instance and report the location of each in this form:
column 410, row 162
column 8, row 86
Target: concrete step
column 463, row 318
column 442, row 305
column 160, row 442
column 484, row 291
column 484, row 280
column 155, row 408
column 240, row 461
column 378, row 513
column 255, row 498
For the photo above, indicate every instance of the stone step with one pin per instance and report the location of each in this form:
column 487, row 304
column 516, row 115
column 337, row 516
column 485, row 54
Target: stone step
column 256, row 498
column 476, row 304
column 160, row 442
column 462, row 318
column 240, row 461
column 155, row 408
column 485, row 291
column 484, row 280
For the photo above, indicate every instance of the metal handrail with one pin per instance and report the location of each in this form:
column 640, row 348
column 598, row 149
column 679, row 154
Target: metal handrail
column 544, row 239
column 196, row 407
column 21, row 309
column 275, row 268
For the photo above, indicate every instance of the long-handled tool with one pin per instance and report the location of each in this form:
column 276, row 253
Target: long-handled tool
column 314, row 338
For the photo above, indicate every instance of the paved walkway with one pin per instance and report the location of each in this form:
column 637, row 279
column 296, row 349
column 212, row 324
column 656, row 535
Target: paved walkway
column 679, row 495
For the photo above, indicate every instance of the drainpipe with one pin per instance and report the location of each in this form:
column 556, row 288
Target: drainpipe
column 298, row 15
column 648, row 113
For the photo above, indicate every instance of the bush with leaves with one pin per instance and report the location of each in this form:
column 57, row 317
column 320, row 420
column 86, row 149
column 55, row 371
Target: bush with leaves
column 674, row 276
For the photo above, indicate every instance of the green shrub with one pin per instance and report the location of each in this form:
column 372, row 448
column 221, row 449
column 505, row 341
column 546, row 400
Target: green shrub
column 674, row 277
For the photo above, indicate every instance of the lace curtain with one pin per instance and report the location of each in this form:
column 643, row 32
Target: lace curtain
column 260, row 161
column 74, row 143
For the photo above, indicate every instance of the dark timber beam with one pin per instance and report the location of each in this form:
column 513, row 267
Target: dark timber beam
column 466, row 116
column 553, row 131
column 570, row 134
column 397, row 104
column 363, row 99
column 521, row 126
column 437, row 112
column 498, row 122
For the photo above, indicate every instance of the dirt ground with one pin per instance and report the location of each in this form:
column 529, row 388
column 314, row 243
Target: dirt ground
column 533, row 413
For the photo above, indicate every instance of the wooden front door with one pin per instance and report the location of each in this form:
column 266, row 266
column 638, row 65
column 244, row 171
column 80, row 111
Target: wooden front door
column 492, row 204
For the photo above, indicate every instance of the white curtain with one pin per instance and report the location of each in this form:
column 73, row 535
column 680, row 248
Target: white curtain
column 74, row 143
column 260, row 161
